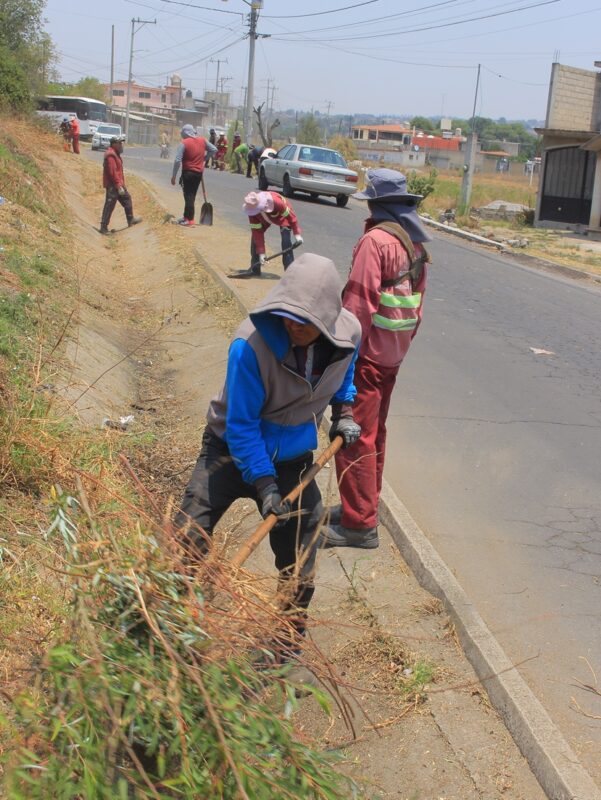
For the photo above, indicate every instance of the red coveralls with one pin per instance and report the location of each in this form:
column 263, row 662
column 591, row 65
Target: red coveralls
column 221, row 152
column 389, row 317
column 112, row 180
column 75, row 134
column 284, row 217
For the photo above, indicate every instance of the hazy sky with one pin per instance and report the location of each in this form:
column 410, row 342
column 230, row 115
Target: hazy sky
column 375, row 56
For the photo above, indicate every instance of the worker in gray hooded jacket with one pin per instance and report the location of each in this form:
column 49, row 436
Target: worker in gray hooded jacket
column 292, row 357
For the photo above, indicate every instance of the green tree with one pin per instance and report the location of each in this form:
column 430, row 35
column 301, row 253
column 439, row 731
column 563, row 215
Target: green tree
column 422, row 184
column 344, row 145
column 423, row 124
column 14, row 93
column 27, row 51
column 85, row 87
column 309, row 131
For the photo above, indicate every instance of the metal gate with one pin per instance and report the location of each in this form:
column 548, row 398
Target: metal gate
column 567, row 187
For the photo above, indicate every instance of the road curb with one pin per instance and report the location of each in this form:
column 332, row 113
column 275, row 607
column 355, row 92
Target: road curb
column 551, row 759
column 520, row 257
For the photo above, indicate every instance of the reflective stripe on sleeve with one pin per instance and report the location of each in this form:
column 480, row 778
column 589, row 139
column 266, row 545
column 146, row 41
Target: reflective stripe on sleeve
column 395, row 325
column 256, row 225
column 400, row 301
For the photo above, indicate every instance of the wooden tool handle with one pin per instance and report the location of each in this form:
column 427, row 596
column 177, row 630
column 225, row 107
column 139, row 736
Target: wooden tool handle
column 261, row 532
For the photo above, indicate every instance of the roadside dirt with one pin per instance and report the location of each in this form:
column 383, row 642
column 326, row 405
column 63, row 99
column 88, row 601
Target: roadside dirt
column 150, row 340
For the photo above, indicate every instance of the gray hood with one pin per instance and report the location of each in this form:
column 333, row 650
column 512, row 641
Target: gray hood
column 310, row 288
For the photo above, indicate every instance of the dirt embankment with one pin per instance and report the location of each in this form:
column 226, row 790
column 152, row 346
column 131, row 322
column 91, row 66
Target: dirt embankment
column 151, row 341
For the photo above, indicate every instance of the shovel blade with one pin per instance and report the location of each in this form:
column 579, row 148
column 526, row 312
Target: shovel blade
column 206, row 214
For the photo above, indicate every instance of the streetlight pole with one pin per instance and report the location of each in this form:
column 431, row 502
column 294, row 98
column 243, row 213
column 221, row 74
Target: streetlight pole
column 141, row 22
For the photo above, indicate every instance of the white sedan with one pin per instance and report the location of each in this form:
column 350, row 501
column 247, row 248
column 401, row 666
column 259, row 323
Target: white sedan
column 103, row 135
column 307, row 168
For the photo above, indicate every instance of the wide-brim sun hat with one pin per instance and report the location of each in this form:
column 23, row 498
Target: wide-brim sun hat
column 387, row 186
column 257, row 202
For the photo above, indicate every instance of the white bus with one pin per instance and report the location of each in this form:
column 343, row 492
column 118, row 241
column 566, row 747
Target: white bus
column 88, row 111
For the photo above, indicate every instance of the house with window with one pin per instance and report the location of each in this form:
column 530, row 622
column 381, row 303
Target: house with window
column 408, row 148
column 570, row 186
column 147, row 98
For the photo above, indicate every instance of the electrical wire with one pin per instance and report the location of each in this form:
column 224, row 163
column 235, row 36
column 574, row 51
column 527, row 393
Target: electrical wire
column 426, row 27
column 512, row 80
column 202, row 8
column 320, row 13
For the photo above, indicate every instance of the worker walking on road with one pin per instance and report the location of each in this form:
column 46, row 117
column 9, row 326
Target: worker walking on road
column 114, row 183
column 192, row 155
column 292, row 357
column 385, row 291
column 265, row 209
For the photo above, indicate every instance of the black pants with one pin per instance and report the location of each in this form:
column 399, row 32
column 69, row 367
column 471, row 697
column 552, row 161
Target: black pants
column 287, row 259
column 214, row 485
column 111, row 200
column 190, row 182
column 249, row 165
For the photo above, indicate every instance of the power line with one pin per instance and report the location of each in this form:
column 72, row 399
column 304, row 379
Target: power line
column 424, row 28
column 387, row 17
column 512, row 80
column 320, row 13
column 202, row 8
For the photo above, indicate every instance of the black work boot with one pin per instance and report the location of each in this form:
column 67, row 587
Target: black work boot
column 104, row 230
column 251, row 272
column 134, row 221
column 339, row 536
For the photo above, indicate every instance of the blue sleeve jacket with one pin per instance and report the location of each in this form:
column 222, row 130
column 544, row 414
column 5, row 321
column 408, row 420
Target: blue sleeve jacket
column 256, row 443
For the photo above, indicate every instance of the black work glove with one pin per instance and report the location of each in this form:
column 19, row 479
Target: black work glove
column 347, row 428
column 272, row 503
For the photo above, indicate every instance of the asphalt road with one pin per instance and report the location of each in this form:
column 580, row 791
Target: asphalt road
column 495, row 449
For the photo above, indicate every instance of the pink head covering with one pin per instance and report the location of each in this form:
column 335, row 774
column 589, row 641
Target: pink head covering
column 256, row 202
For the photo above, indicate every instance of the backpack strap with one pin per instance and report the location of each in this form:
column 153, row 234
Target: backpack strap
column 414, row 273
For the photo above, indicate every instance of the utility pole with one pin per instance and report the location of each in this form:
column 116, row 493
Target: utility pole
column 255, row 6
column 470, row 163
column 329, row 104
column 112, row 64
column 215, row 103
column 141, row 23
column 273, row 88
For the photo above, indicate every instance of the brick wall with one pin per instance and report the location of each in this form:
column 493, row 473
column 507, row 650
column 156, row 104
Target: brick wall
column 574, row 99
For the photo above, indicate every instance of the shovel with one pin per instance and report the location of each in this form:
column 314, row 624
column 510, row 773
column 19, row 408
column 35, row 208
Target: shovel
column 206, row 212
column 248, row 273
column 261, row 532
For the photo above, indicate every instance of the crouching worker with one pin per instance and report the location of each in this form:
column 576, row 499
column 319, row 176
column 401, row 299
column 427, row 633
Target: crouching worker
column 292, row 357
column 265, row 209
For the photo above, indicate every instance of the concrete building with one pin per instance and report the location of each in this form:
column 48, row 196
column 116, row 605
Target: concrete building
column 149, row 98
column 408, row 148
column 570, row 187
